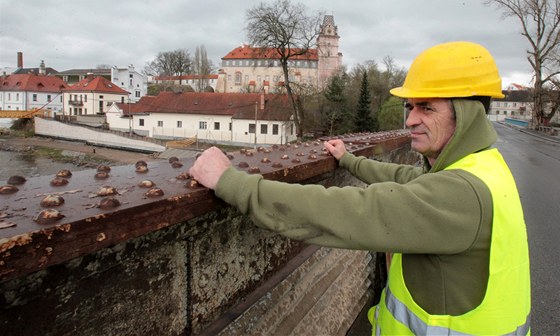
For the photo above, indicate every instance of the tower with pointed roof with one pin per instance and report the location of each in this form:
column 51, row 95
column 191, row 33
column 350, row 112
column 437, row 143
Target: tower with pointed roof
column 330, row 59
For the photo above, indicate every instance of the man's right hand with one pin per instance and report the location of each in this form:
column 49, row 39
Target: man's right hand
column 336, row 147
column 209, row 167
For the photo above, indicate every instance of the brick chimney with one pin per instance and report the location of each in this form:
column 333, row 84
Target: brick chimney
column 20, row 59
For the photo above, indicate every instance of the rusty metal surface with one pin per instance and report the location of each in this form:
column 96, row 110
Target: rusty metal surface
column 85, row 225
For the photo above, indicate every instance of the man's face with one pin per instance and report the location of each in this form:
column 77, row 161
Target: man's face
column 431, row 123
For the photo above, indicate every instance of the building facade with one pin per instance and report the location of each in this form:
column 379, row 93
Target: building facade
column 127, row 79
column 516, row 104
column 229, row 118
column 21, row 92
column 92, row 96
column 252, row 69
column 130, row 80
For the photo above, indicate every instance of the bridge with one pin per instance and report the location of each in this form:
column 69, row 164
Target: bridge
column 23, row 114
column 173, row 259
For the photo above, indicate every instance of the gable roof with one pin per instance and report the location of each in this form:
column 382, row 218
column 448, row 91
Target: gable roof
column 237, row 105
column 140, row 107
column 96, row 84
column 247, row 52
column 32, row 82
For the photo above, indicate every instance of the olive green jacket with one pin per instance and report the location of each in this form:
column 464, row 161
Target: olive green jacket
column 439, row 219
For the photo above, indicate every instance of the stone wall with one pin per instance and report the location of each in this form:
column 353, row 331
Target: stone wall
column 186, row 265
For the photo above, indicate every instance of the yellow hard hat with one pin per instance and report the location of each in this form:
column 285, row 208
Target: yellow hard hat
column 453, row 69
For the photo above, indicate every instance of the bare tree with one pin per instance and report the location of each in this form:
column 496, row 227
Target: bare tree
column 170, row 63
column 540, row 24
column 202, row 67
column 291, row 32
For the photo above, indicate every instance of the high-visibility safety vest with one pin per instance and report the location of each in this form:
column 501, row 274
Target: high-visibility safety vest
column 506, row 307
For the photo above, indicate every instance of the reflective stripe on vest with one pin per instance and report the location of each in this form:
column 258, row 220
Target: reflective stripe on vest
column 405, row 316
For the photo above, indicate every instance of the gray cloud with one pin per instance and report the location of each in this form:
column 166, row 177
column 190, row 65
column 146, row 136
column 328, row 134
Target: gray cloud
column 83, row 34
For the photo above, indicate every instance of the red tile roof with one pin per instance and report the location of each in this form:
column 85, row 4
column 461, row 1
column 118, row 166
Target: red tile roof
column 236, row 105
column 96, row 84
column 137, row 108
column 247, row 52
column 33, row 83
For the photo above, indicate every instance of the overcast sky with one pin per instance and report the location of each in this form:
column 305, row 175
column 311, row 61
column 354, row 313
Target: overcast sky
column 70, row 34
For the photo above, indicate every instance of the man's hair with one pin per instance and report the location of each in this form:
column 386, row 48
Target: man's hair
column 485, row 100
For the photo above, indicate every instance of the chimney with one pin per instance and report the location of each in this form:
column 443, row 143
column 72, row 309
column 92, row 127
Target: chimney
column 20, row 59
column 90, row 76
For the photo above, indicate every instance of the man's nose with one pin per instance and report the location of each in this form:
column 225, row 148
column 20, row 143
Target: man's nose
column 413, row 118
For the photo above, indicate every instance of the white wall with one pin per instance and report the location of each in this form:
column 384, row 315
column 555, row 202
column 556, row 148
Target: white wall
column 191, row 127
column 130, row 80
column 60, row 130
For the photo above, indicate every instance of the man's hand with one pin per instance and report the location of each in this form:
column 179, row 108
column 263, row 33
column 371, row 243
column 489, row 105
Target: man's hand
column 209, row 167
column 336, row 148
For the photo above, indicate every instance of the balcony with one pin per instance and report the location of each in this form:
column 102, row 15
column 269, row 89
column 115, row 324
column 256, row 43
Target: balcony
column 76, row 102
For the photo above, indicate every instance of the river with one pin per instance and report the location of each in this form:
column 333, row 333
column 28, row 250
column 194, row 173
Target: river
column 26, row 164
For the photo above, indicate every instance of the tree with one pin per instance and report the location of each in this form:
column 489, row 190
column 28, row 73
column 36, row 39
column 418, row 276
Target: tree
column 336, row 118
column 170, row 63
column 540, row 24
column 201, row 67
column 291, row 32
column 363, row 119
column 391, row 115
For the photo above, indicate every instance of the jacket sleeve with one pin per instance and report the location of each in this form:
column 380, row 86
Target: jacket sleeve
column 371, row 171
column 428, row 215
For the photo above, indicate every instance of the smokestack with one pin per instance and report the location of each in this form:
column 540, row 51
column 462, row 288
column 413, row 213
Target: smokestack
column 20, row 59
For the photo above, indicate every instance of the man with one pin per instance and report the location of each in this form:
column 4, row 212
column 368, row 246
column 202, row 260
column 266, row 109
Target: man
column 455, row 226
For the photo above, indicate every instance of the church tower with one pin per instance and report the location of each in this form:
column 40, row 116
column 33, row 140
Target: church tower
column 330, row 59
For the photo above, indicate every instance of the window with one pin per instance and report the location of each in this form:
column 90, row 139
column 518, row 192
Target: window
column 100, row 106
column 275, row 129
column 61, row 99
column 140, row 122
column 17, row 96
column 230, row 126
column 179, row 124
column 238, row 78
column 160, row 123
column 34, row 97
column 251, row 128
column 48, row 98
column 202, row 125
column 217, row 126
column 137, row 94
column 264, row 129
column 85, row 99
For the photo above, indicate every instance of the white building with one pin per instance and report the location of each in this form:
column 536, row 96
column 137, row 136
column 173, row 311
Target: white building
column 130, row 80
column 238, row 119
column 92, row 96
column 516, row 104
column 127, row 79
column 30, row 91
